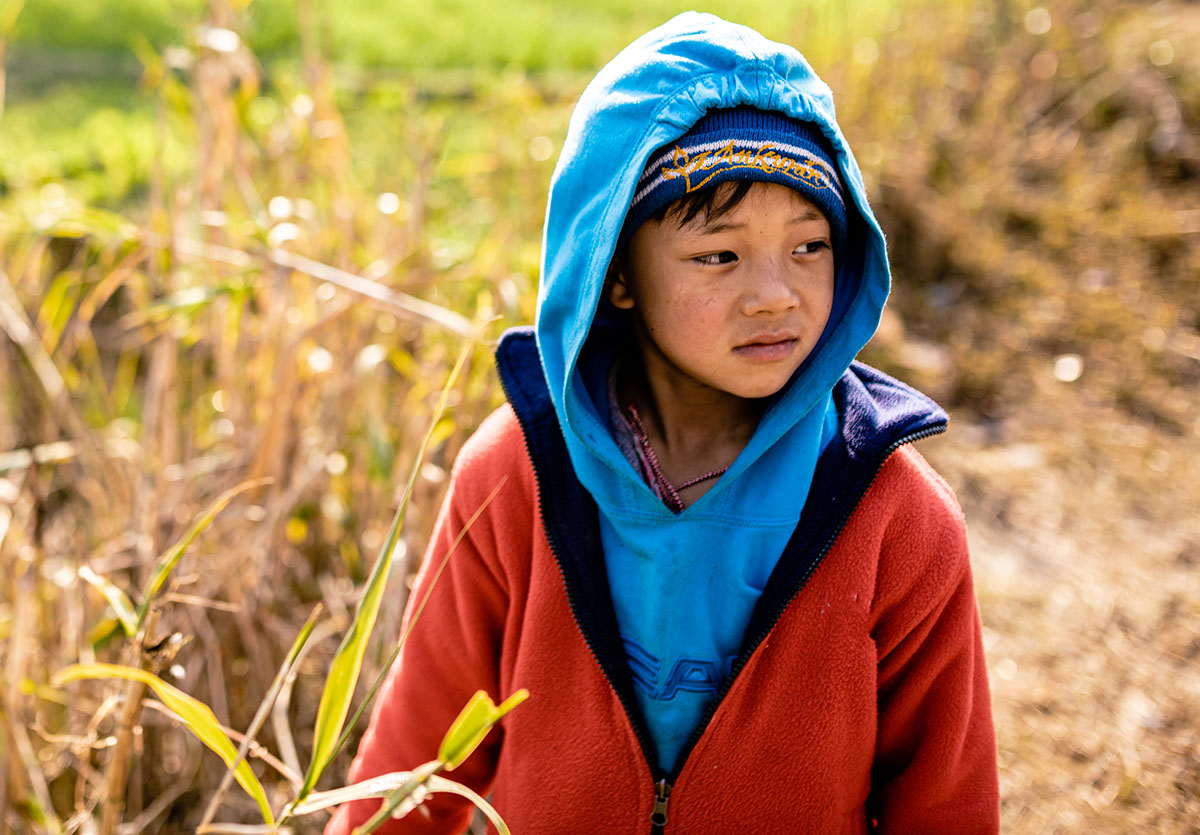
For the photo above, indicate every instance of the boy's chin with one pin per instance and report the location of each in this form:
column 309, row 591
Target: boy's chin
column 748, row 390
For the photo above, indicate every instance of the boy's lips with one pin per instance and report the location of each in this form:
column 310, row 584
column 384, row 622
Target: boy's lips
column 767, row 347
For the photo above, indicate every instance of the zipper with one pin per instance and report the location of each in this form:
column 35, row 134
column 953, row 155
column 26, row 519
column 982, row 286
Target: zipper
column 663, row 783
column 658, row 818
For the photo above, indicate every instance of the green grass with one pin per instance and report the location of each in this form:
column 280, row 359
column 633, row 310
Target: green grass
column 75, row 112
column 535, row 34
column 99, row 136
column 105, row 26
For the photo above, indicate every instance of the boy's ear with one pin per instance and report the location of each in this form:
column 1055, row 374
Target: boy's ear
column 616, row 288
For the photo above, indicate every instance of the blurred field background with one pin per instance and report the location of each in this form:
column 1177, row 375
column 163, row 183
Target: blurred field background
column 247, row 240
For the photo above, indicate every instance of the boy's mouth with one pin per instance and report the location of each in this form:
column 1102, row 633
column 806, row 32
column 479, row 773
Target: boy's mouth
column 769, row 347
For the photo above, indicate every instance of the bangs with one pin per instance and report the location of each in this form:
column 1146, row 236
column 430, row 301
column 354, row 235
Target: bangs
column 714, row 201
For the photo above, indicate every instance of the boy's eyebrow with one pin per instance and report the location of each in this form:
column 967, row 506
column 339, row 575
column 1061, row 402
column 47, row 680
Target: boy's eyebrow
column 806, row 214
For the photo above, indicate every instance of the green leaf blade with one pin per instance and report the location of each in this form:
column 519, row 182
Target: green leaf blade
column 195, row 715
column 347, row 663
column 474, row 722
column 341, row 681
column 120, row 603
column 399, row 791
column 170, row 558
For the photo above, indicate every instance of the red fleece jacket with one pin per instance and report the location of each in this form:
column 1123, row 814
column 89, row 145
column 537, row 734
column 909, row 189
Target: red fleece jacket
column 867, row 706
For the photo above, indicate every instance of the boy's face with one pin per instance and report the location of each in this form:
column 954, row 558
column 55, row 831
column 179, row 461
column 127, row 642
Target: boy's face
column 734, row 304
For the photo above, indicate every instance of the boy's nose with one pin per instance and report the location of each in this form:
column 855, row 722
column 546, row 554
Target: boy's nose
column 768, row 290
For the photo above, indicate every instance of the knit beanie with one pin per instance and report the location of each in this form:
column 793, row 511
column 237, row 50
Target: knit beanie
column 743, row 143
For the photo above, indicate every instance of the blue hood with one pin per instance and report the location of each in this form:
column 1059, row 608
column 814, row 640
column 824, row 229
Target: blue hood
column 650, row 94
column 684, row 586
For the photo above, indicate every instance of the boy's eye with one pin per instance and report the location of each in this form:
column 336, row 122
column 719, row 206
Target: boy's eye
column 812, row 247
column 725, row 257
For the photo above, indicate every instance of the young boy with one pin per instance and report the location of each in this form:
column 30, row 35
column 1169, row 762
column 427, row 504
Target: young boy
column 739, row 599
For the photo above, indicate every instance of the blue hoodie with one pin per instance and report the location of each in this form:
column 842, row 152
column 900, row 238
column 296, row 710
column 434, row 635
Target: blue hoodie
column 684, row 586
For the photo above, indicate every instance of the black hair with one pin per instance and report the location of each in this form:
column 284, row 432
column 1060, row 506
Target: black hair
column 714, row 201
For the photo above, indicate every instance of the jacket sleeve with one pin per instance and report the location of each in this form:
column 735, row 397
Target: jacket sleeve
column 453, row 650
column 935, row 765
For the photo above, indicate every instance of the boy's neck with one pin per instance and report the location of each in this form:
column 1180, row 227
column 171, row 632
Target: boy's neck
column 693, row 428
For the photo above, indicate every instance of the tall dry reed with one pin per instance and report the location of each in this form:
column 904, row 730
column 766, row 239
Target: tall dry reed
column 267, row 327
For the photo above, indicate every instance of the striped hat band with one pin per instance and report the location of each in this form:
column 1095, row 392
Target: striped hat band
column 743, row 143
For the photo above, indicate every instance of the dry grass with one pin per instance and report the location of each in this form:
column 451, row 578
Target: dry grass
column 1086, row 567
column 1038, row 189
column 1047, row 245
column 254, row 320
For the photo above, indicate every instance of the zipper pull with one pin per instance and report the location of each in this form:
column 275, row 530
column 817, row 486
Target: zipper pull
column 658, row 818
